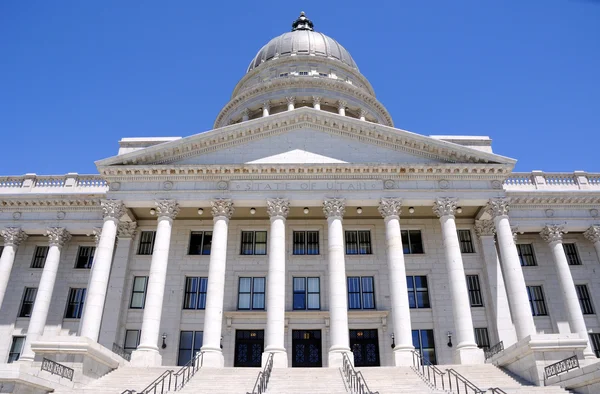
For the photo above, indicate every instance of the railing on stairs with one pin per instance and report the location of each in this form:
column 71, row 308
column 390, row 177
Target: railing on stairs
column 355, row 380
column 497, row 390
column 188, row 371
column 493, row 350
column 57, row 369
column 461, row 384
column 262, row 380
column 119, row 351
column 161, row 385
column 431, row 373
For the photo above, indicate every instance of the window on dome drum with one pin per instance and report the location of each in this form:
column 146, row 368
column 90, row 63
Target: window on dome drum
column 85, row 256
column 481, row 338
column 466, row 242
column 358, row 242
column 195, row 293
column 39, row 256
column 361, row 292
column 200, row 243
column 536, row 301
column 323, row 74
column 595, row 340
column 75, row 303
column 284, row 75
column 15, row 349
column 138, row 293
column 307, row 293
column 584, row 299
column 132, row 340
column 306, row 242
column 572, row 255
column 412, row 241
column 190, row 343
column 251, row 294
column 526, row 255
column 418, row 292
column 303, row 73
column 254, row 243
column 424, row 344
column 474, row 290
column 28, row 300
column 146, row 242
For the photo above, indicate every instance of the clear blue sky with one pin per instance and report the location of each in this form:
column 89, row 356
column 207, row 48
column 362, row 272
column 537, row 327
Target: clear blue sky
column 76, row 76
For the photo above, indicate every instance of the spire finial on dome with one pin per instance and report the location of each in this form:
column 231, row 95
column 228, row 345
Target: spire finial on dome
column 302, row 23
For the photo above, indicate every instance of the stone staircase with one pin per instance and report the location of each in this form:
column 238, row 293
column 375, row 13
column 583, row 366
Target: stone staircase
column 395, row 380
column 305, row 381
column 222, row 381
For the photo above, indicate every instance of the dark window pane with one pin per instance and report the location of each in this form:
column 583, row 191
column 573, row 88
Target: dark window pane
column 146, row 242
column 299, row 242
column 207, row 243
column 351, row 242
column 85, row 256
column 195, row 243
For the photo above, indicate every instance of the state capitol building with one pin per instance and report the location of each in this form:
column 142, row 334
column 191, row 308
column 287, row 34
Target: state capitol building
column 304, row 230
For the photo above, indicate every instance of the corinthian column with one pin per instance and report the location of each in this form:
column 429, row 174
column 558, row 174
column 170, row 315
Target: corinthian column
column 592, row 234
column 278, row 209
column 13, row 236
column 334, row 209
column 57, row 237
column 390, row 209
column 222, row 210
column 467, row 351
column 96, row 292
column 552, row 234
column 147, row 352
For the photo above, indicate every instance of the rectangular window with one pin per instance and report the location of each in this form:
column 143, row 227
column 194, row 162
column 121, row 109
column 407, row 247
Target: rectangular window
column 307, row 294
column 418, row 292
column 15, row 349
column 536, row 301
column 146, row 242
column 361, row 292
column 132, row 340
column 303, row 73
column 474, row 290
column 526, row 254
column 358, row 242
column 283, row 74
column 200, row 243
column 424, row 344
column 306, row 242
column 138, row 294
column 466, row 242
column 28, row 300
column 595, row 340
column 190, row 343
column 254, row 242
column 85, row 256
column 481, row 338
column 251, row 294
column 412, row 243
column 39, row 256
column 323, row 74
column 75, row 303
column 195, row 293
column 571, row 252
column 584, row 299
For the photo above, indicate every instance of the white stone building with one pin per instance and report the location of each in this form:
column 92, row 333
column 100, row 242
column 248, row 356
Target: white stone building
column 305, row 225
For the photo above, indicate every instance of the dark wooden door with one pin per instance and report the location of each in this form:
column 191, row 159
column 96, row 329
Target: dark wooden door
column 249, row 346
column 365, row 347
column 306, row 348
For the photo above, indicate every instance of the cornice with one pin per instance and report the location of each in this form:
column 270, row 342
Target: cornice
column 546, row 201
column 67, row 203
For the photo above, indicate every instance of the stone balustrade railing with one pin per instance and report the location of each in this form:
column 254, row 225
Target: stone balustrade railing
column 49, row 184
column 557, row 181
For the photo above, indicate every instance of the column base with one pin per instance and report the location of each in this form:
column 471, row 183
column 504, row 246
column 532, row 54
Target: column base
column 146, row 358
column 469, row 355
column 280, row 359
column 403, row 357
column 213, row 359
column 336, row 358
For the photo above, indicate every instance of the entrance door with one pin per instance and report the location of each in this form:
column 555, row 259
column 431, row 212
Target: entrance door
column 249, row 345
column 306, row 346
column 365, row 346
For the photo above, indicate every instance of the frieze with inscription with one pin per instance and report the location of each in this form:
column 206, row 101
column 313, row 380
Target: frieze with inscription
column 259, row 186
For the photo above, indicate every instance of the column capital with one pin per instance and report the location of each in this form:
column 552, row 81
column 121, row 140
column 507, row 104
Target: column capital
column 13, row 236
column 57, row 236
column 222, row 207
column 485, row 228
column 390, row 207
column 514, row 230
column 363, row 112
column 334, row 207
column 112, row 209
column 316, row 99
column 592, row 234
column 97, row 233
column 245, row 112
column 497, row 207
column 290, row 99
column 445, row 206
column 166, row 208
column 126, row 229
column 342, row 104
column 552, row 233
column 267, row 105
column 278, row 207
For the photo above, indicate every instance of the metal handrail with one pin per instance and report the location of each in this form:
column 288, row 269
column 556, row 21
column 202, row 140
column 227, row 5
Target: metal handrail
column 493, row 350
column 165, row 385
column 262, row 380
column 129, row 392
column 188, row 370
column 463, row 382
column 428, row 371
column 565, row 365
column 497, row 390
column 355, row 380
column 57, row 369
column 119, row 351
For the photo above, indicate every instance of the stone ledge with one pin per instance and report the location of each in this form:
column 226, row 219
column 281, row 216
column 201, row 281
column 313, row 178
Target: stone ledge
column 75, row 345
column 585, row 379
column 18, row 375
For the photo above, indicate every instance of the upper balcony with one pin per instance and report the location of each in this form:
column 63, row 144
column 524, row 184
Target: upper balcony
column 71, row 183
column 552, row 181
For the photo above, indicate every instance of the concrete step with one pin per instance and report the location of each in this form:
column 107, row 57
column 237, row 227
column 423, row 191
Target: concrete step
column 395, row 380
column 221, row 380
column 306, row 380
column 119, row 380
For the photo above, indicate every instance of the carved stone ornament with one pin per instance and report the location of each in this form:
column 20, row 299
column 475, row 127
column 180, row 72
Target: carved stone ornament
column 127, row 229
column 246, row 112
column 316, row 100
column 60, row 215
column 390, row 207
column 342, row 104
column 445, row 206
column 13, row 236
column 290, row 99
column 278, row 207
column 114, row 186
column 97, row 233
column 485, row 228
column 389, row 184
column 552, row 233
column 222, row 207
column 112, row 208
column 334, row 207
column 167, row 185
column 57, row 236
column 496, row 184
column 222, row 185
column 498, row 207
column 514, row 230
column 17, row 215
column 594, row 213
column 549, row 213
column 166, row 208
column 267, row 105
column 444, row 184
column 592, row 234
column 363, row 113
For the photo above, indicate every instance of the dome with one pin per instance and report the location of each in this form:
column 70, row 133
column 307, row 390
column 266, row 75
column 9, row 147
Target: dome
column 302, row 41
